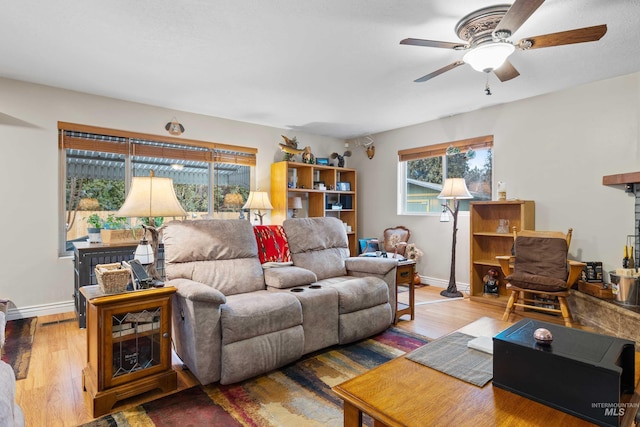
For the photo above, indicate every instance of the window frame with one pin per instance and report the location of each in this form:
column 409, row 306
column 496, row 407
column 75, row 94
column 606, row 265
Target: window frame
column 435, row 150
column 132, row 144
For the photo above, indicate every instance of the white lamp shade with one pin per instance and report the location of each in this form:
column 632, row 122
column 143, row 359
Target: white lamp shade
column 295, row 203
column 144, row 253
column 489, row 56
column 258, row 200
column 455, row 188
column 151, row 196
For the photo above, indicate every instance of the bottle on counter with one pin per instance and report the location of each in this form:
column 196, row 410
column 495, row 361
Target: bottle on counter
column 625, row 260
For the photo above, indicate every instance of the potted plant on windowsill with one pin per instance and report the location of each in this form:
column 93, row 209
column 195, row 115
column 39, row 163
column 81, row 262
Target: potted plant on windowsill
column 94, row 224
column 117, row 230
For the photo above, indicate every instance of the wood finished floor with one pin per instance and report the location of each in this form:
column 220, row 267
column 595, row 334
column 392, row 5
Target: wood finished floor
column 52, row 395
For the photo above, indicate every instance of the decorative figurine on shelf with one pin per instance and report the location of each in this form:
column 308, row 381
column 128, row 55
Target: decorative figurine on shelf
column 341, row 157
column 491, row 283
column 412, row 252
column 289, row 148
column 307, row 156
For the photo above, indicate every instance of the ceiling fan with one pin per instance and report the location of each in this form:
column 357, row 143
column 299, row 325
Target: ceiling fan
column 486, row 32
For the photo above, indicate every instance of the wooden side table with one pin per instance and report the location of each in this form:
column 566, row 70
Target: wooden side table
column 404, row 276
column 128, row 345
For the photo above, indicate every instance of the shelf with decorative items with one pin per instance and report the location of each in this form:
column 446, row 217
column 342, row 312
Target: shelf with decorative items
column 491, row 233
column 323, row 191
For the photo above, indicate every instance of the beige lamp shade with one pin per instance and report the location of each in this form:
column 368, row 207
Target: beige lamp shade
column 455, row 188
column 295, row 203
column 258, row 200
column 151, row 196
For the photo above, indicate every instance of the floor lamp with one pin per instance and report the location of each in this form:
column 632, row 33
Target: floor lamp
column 456, row 189
column 149, row 197
column 258, row 200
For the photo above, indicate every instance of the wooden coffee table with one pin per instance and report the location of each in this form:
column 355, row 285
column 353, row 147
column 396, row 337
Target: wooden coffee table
column 405, row 393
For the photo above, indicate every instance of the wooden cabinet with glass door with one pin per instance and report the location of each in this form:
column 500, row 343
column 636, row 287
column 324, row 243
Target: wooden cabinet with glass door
column 491, row 225
column 128, row 345
column 324, row 190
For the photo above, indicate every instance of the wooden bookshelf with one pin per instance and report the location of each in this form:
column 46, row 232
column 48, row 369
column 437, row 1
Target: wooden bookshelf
column 293, row 179
column 487, row 243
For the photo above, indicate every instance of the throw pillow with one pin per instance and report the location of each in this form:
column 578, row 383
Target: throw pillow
column 272, row 243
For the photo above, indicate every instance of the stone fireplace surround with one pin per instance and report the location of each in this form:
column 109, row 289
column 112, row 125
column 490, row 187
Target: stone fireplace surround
column 607, row 316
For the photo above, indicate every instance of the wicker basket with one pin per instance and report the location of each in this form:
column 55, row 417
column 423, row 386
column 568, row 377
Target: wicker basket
column 112, row 278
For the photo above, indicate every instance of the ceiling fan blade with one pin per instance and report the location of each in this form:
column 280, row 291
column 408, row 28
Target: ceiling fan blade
column 506, row 71
column 433, row 43
column 519, row 12
column 581, row 35
column 438, row 72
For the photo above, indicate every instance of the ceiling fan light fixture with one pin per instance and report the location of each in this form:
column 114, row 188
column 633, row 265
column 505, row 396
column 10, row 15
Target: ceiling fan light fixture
column 488, row 56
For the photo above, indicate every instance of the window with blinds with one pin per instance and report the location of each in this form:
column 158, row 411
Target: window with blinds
column 424, row 169
column 211, row 180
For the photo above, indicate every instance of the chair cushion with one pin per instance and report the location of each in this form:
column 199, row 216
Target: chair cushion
column 536, row 282
column 541, row 256
column 540, row 264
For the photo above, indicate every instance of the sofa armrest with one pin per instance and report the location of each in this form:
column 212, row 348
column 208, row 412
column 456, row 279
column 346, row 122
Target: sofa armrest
column 288, row 277
column 196, row 291
column 371, row 265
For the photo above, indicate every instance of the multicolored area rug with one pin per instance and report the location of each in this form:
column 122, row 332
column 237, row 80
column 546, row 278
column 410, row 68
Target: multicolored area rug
column 16, row 352
column 296, row 395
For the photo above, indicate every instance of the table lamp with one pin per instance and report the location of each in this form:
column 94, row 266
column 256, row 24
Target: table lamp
column 258, row 200
column 456, row 189
column 233, row 201
column 295, row 203
column 150, row 196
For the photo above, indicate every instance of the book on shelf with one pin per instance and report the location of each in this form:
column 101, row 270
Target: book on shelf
column 142, row 316
column 144, row 327
column 123, row 332
column 120, row 326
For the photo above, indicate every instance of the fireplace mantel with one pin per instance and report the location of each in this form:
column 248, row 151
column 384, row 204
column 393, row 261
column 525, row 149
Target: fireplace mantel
column 621, row 178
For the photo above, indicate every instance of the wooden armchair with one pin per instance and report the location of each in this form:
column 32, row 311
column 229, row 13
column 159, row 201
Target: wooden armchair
column 540, row 268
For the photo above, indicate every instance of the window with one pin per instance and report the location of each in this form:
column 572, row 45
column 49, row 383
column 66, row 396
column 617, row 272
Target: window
column 211, row 180
column 422, row 170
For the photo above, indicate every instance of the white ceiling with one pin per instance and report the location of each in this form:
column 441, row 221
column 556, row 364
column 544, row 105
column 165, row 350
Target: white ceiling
column 328, row 67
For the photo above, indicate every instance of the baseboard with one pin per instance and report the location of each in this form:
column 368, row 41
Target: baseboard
column 444, row 283
column 40, row 310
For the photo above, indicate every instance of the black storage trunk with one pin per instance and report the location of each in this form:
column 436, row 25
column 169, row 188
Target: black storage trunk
column 580, row 373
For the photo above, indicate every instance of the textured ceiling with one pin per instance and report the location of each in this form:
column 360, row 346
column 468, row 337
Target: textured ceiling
column 329, row 67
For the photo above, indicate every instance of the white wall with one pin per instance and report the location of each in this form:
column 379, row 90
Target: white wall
column 31, row 274
column 553, row 149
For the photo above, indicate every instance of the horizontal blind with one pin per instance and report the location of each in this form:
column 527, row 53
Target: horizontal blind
column 438, row 150
column 91, row 138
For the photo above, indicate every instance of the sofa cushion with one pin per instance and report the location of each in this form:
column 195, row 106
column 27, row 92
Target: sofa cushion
column 288, row 277
column 318, row 244
column 219, row 253
column 360, row 293
column 272, row 243
column 258, row 313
